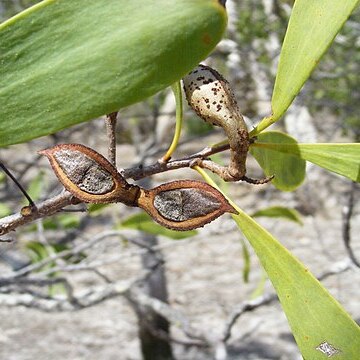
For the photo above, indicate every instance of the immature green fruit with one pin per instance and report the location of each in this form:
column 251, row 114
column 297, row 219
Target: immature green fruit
column 63, row 62
column 211, row 97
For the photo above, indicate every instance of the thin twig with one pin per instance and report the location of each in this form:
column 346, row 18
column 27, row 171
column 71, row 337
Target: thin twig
column 141, row 172
column 43, row 209
column 42, row 282
column 84, row 299
column 347, row 213
column 161, row 334
column 6, row 240
column 110, row 122
column 12, row 177
column 166, row 311
column 65, row 253
column 223, row 172
column 244, row 307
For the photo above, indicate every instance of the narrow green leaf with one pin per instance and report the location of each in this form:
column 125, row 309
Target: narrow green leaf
column 64, row 61
column 289, row 170
column 95, row 209
column 143, row 222
column 64, row 221
column 36, row 251
column 246, row 258
column 312, row 27
column 68, row 221
column 279, row 212
column 314, row 315
column 343, row 159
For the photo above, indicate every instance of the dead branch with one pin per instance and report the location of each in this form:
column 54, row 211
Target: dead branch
column 18, row 184
column 41, row 210
column 65, row 253
column 244, row 307
column 347, row 213
column 110, row 123
column 174, row 316
column 61, row 303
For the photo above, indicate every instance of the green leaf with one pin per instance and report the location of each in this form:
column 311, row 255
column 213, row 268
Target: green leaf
column 312, row 27
column 143, row 222
column 279, row 212
column 288, row 169
column 247, row 262
column 343, row 159
column 64, row 61
column 64, row 221
column 314, row 315
column 95, row 209
column 36, row 251
column 36, row 186
column 68, row 221
column 311, row 311
column 4, row 210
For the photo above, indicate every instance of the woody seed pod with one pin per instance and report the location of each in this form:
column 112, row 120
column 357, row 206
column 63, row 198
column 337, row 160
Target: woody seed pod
column 89, row 176
column 184, row 205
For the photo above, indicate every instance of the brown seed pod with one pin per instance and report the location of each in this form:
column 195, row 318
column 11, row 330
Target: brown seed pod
column 89, row 176
column 210, row 96
column 184, row 204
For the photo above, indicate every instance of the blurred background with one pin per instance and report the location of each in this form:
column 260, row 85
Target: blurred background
column 205, row 276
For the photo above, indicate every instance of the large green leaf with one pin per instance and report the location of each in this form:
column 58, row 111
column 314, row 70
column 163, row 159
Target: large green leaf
column 312, row 27
column 64, row 61
column 315, row 317
column 289, row 170
column 343, row 159
column 143, row 222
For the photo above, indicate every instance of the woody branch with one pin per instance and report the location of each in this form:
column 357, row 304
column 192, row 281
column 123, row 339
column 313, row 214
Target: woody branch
column 57, row 203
